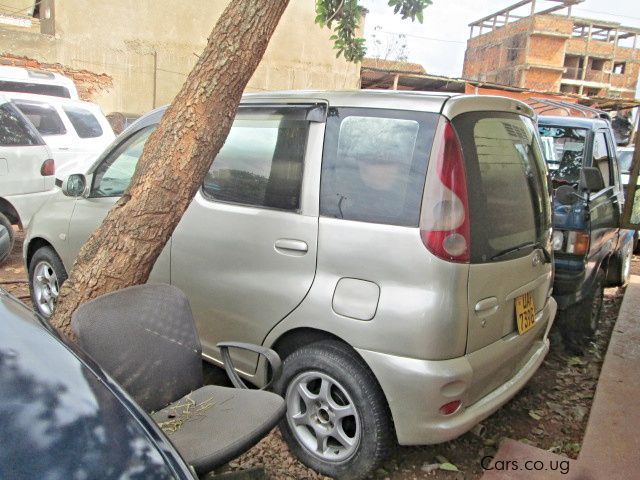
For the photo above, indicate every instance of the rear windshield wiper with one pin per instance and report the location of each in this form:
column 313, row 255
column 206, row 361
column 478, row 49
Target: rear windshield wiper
column 534, row 245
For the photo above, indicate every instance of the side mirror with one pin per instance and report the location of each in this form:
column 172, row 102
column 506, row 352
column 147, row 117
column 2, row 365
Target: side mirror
column 591, row 179
column 74, row 185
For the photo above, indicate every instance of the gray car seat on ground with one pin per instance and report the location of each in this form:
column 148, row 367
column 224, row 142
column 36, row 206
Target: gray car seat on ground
column 145, row 338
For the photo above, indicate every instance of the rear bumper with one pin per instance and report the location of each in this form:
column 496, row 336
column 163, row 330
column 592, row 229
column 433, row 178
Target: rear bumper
column 415, row 389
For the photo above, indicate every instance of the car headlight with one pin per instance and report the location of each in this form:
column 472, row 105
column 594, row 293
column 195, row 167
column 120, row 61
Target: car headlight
column 557, row 239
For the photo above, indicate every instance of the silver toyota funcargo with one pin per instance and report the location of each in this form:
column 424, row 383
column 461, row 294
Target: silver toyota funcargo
column 392, row 247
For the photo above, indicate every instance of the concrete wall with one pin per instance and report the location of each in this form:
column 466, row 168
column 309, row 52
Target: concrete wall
column 156, row 42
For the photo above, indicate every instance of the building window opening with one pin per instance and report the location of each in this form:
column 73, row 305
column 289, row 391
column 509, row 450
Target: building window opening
column 597, row 64
column 619, row 67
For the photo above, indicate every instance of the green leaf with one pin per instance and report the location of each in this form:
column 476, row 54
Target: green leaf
column 420, row 16
column 449, row 467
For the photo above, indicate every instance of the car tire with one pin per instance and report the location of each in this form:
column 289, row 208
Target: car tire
column 579, row 322
column 7, row 238
column 623, row 267
column 337, row 421
column 46, row 276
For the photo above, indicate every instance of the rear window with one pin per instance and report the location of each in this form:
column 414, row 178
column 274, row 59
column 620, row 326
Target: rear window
column 43, row 116
column 15, row 129
column 508, row 193
column 39, row 88
column 84, row 122
column 374, row 164
column 563, row 151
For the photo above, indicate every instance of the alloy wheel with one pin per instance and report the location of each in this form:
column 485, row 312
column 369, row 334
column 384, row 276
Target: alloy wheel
column 45, row 288
column 323, row 416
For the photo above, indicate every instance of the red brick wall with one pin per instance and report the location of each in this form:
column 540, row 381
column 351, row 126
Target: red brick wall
column 88, row 83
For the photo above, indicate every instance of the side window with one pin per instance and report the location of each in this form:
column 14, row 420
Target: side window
column 113, row 175
column 601, row 158
column 83, row 121
column 374, row 165
column 262, row 160
column 15, row 129
column 43, row 116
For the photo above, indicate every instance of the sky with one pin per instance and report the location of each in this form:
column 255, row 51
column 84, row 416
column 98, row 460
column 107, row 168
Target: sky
column 439, row 43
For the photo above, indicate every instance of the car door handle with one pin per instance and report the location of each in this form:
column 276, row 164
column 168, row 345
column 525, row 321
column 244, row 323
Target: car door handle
column 486, row 307
column 290, row 246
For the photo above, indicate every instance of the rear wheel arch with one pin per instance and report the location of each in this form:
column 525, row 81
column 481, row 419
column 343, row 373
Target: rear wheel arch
column 9, row 211
column 297, row 338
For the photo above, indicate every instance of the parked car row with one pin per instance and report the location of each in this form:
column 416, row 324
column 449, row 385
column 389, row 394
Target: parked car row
column 43, row 126
column 407, row 283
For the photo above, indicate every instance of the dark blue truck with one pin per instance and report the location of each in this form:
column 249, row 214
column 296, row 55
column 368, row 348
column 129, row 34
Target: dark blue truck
column 590, row 250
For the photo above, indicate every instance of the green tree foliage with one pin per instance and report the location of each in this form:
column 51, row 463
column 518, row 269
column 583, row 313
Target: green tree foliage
column 343, row 17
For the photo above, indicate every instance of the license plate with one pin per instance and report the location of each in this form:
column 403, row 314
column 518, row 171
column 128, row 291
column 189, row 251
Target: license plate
column 525, row 313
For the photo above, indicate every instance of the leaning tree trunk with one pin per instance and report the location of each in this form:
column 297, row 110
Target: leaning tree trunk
column 176, row 157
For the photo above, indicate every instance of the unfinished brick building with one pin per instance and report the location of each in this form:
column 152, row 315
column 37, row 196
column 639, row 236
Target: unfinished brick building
column 552, row 51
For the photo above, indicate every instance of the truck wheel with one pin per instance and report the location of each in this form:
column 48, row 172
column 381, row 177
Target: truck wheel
column 7, row 238
column 337, row 419
column 579, row 322
column 624, row 265
column 46, row 276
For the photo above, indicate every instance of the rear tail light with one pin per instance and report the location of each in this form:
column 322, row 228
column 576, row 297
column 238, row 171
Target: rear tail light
column 444, row 222
column 578, row 242
column 48, row 168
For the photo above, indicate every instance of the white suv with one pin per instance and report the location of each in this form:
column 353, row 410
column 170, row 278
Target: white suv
column 76, row 131
column 26, row 172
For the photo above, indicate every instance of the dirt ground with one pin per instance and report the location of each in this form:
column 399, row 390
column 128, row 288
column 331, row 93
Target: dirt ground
column 551, row 412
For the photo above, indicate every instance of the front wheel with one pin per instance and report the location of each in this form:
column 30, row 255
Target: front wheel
column 337, row 419
column 46, row 276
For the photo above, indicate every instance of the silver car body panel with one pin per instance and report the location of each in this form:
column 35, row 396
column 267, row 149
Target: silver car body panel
column 241, row 266
column 415, row 389
column 250, row 279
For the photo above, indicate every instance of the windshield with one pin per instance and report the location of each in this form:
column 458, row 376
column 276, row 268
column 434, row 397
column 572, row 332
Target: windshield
column 563, row 149
column 624, row 158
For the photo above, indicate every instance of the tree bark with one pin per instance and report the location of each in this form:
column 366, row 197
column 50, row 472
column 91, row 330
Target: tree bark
column 176, row 157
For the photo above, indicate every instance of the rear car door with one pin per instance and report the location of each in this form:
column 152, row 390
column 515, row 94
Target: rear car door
column 245, row 250
column 510, row 267
column 22, row 154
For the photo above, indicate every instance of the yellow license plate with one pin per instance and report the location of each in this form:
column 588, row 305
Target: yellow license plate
column 525, row 312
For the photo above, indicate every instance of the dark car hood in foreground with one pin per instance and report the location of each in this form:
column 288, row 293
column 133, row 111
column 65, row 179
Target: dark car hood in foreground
column 63, row 419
